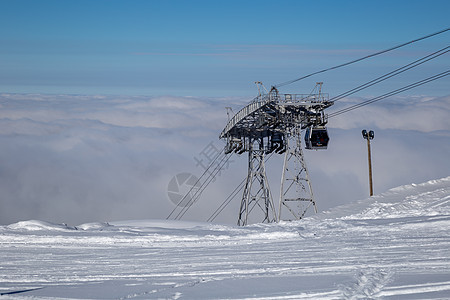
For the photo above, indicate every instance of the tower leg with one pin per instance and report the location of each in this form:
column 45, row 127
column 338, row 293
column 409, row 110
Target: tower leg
column 296, row 195
column 256, row 191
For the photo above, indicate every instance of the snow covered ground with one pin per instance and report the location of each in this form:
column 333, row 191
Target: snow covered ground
column 392, row 246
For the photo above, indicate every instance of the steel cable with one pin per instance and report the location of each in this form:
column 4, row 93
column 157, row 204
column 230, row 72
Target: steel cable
column 391, row 93
column 205, row 184
column 362, row 58
column 196, row 183
column 392, row 73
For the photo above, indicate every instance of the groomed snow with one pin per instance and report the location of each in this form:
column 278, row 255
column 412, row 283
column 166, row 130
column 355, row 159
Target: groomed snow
column 391, row 246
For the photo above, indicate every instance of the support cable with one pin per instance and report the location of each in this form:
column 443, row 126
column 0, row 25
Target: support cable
column 204, row 185
column 198, row 190
column 392, row 93
column 227, row 201
column 392, row 73
column 363, row 58
column 206, row 172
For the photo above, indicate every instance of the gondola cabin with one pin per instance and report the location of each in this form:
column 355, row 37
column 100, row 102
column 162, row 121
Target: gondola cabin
column 316, row 137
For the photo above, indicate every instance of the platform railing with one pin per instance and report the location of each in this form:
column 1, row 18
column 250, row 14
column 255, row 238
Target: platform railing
column 264, row 99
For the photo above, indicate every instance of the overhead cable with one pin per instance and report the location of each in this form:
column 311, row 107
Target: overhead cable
column 227, row 201
column 392, row 93
column 362, row 58
column 204, row 185
column 392, row 74
column 206, row 174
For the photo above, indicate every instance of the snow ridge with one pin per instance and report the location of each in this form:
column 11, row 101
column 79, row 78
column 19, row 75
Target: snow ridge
column 370, row 282
column 391, row 246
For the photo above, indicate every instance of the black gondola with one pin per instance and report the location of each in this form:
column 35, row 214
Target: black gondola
column 316, row 137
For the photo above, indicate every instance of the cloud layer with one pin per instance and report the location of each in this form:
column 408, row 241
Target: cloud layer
column 76, row 159
column 420, row 113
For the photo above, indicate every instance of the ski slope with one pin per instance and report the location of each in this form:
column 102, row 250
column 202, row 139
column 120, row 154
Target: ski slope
column 395, row 245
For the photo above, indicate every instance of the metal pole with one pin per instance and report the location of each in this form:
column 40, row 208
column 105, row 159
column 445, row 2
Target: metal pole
column 370, row 168
column 369, row 136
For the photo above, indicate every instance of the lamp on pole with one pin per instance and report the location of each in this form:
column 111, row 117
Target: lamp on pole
column 369, row 136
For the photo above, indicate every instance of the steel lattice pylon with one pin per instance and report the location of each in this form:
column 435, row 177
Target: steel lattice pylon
column 296, row 194
column 256, row 190
column 272, row 123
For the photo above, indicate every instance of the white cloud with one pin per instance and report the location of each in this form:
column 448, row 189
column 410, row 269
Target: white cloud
column 76, row 159
column 421, row 113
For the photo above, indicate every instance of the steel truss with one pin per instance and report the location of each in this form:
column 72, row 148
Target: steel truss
column 256, row 190
column 296, row 194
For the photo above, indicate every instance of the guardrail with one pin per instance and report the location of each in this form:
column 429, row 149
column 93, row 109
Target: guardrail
column 262, row 100
column 243, row 113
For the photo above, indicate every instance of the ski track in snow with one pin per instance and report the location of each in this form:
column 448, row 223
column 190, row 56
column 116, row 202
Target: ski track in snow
column 391, row 246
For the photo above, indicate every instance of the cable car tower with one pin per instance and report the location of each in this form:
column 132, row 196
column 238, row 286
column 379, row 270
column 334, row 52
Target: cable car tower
column 272, row 123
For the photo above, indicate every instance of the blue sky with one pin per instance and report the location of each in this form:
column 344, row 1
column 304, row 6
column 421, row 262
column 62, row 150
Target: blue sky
column 209, row 48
